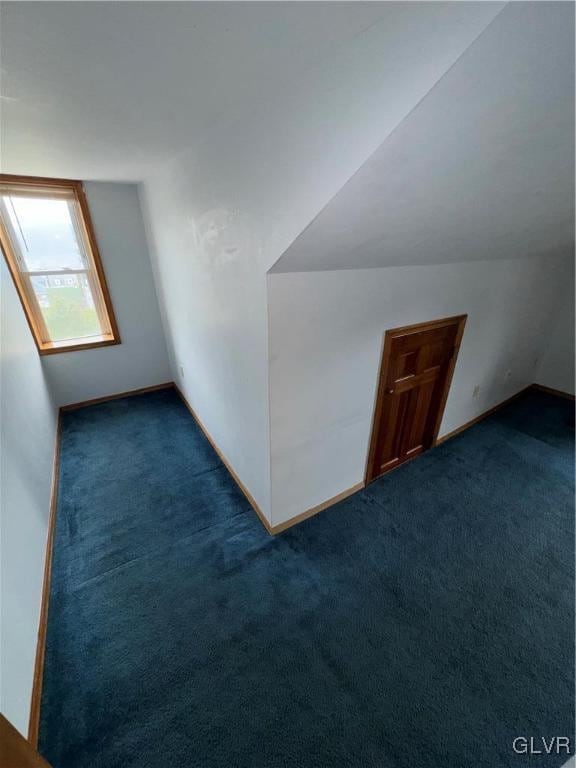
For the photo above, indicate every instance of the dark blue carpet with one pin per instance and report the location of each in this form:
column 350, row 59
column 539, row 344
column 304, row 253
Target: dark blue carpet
column 423, row 623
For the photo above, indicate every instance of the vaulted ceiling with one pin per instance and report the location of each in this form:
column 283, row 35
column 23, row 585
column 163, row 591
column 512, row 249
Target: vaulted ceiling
column 482, row 168
column 399, row 132
column 103, row 89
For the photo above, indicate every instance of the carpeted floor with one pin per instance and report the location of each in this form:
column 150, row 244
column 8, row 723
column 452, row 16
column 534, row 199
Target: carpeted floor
column 423, row 623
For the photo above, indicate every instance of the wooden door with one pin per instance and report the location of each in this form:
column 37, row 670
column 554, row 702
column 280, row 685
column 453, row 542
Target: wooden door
column 415, row 374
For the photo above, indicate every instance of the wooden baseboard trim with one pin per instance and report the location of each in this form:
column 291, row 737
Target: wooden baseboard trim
column 318, row 508
column 490, row 411
column 224, row 460
column 355, row 488
column 129, row 393
column 481, row 417
column 36, row 698
column 34, row 721
column 551, row 391
column 273, row 530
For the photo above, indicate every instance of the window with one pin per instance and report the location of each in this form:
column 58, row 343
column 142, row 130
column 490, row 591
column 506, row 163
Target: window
column 49, row 245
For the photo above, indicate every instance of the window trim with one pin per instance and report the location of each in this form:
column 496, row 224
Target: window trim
column 57, row 347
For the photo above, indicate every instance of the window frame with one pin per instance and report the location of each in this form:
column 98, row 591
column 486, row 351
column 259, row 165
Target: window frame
column 28, row 299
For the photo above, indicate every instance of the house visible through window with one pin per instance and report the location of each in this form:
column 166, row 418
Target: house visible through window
column 49, row 245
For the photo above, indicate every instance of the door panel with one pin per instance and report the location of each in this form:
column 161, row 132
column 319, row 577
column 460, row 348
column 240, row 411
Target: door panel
column 416, row 370
column 415, row 435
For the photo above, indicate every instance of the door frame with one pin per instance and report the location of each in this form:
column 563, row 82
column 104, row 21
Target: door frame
column 389, row 336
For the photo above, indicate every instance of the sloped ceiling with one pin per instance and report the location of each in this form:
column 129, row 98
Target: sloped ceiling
column 458, row 115
column 263, row 110
column 482, row 168
column 104, row 89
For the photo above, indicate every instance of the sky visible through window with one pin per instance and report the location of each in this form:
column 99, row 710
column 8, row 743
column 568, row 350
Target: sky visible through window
column 45, row 233
column 47, row 243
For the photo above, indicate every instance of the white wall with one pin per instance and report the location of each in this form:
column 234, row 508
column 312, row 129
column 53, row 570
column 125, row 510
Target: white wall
column 557, row 364
column 141, row 359
column 27, row 435
column 247, row 157
column 326, row 331
column 31, row 389
column 213, row 298
column 221, row 214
